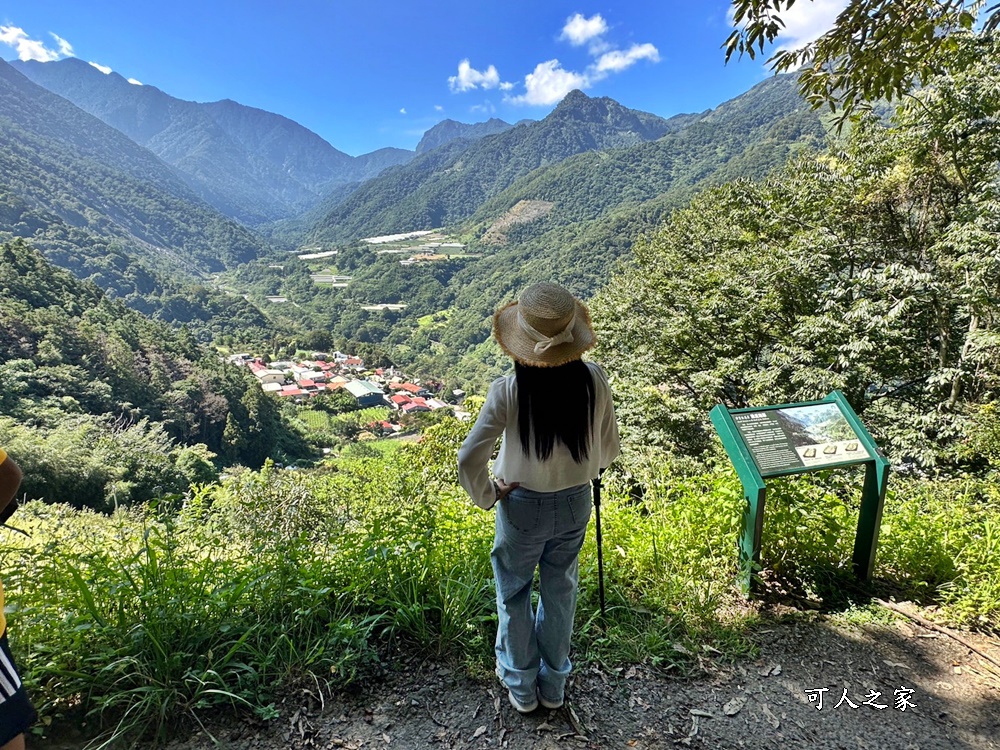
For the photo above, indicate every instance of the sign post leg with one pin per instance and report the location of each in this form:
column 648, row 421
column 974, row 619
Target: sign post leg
column 750, row 539
column 870, row 518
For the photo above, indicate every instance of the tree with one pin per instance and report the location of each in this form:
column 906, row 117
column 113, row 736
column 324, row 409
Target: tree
column 876, row 49
column 195, row 464
column 873, row 269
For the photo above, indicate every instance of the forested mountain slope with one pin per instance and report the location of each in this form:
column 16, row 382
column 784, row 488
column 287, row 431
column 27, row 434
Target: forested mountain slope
column 58, row 159
column 143, row 284
column 252, row 165
column 744, row 137
column 98, row 402
column 870, row 267
column 448, row 184
column 596, row 205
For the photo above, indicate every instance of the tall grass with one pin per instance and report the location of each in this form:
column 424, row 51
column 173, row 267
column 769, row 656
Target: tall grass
column 272, row 579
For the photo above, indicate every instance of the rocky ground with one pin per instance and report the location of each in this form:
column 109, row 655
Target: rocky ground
column 934, row 691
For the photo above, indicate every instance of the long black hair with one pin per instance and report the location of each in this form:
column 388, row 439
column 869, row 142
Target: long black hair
column 555, row 403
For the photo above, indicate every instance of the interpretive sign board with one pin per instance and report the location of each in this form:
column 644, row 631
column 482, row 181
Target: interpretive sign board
column 774, row 441
column 790, row 439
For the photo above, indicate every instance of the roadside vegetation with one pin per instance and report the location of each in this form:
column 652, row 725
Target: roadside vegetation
column 274, row 579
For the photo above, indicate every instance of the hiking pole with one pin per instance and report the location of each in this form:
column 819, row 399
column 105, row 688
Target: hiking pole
column 600, row 551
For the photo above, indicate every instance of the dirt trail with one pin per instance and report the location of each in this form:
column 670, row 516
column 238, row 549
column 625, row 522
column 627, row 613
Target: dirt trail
column 764, row 703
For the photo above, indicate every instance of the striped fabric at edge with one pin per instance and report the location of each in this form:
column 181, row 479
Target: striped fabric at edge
column 9, row 681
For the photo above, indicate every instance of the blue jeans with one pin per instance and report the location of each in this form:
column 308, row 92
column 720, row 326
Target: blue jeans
column 544, row 530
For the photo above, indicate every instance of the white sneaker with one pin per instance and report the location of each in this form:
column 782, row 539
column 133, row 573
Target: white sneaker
column 523, row 708
column 549, row 704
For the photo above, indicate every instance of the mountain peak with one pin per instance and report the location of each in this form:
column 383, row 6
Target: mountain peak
column 605, row 123
column 450, row 130
column 574, row 99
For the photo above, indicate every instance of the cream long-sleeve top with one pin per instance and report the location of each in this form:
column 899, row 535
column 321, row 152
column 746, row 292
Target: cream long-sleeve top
column 499, row 417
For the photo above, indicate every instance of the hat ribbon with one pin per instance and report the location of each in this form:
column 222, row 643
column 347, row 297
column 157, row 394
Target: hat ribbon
column 543, row 342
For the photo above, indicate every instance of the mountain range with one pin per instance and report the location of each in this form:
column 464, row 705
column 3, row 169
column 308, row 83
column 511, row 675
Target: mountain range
column 450, row 130
column 60, row 160
column 252, row 165
column 447, row 184
column 133, row 188
column 587, row 156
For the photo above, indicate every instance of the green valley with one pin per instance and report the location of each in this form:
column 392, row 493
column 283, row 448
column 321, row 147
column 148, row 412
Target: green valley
column 237, row 386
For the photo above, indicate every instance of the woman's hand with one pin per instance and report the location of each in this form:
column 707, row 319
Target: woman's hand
column 504, row 489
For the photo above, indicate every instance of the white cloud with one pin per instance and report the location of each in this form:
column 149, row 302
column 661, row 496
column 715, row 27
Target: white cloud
column 579, row 30
column 65, row 48
column 469, row 78
column 549, row 83
column 616, row 61
column 486, row 108
column 134, row 82
column 807, row 22
column 438, row 108
column 402, row 110
column 27, row 49
column 103, row 68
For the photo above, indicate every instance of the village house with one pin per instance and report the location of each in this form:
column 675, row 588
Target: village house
column 407, row 404
column 314, row 376
column 337, row 381
column 270, row 376
column 367, row 394
column 383, row 428
column 415, row 406
column 414, row 389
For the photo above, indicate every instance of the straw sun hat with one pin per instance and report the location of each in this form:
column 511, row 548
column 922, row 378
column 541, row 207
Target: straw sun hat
column 546, row 327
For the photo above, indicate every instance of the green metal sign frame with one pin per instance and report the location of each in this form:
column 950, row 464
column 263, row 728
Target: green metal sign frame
column 753, row 466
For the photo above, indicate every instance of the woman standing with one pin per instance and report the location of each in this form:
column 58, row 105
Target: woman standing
column 559, row 432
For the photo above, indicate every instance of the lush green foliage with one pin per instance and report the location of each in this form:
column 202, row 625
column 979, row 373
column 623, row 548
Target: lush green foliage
column 338, row 429
column 151, row 615
column 876, row 49
column 104, row 406
column 275, row 579
column 872, row 270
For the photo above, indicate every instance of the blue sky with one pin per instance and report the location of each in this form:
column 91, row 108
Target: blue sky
column 365, row 75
